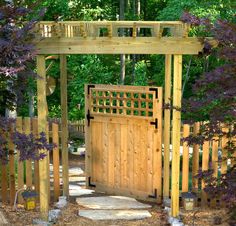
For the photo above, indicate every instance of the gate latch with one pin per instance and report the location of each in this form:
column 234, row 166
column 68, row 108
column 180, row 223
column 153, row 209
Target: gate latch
column 155, row 123
column 89, row 117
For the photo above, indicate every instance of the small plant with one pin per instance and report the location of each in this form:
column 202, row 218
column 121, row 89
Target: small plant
column 28, row 146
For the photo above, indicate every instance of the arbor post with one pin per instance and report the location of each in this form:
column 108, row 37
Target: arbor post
column 176, row 122
column 166, row 186
column 64, row 124
column 42, row 125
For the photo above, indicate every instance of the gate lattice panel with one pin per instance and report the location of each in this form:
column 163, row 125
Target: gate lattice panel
column 123, row 140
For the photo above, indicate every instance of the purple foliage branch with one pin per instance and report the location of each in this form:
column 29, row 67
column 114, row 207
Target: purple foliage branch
column 215, row 103
column 17, row 52
column 27, row 145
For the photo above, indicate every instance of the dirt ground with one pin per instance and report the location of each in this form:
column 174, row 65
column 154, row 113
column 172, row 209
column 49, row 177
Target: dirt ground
column 69, row 216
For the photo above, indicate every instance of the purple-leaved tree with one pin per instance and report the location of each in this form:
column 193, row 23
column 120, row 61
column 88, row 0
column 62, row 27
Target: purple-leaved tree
column 17, row 55
column 215, row 102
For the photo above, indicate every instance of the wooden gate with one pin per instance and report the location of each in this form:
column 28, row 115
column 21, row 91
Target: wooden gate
column 123, row 140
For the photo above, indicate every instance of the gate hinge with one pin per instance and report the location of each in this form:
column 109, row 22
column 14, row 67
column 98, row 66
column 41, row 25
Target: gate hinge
column 155, row 123
column 153, row 196
column 89, row 87
column 156, row 91
column 90, row 184
column 89, row 117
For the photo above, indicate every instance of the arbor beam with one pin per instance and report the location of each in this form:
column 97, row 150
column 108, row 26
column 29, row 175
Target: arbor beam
column 119, row 45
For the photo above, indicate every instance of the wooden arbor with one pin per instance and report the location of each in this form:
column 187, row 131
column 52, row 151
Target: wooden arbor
column 103, row 37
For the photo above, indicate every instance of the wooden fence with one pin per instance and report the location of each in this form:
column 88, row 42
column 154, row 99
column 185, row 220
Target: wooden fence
column 16, row 175
column 211, row 155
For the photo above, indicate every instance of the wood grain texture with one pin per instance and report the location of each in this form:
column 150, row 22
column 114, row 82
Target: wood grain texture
column 42, row 124
column 177, row 87
column 166, row 175
column 64, row 124
column 185, row 163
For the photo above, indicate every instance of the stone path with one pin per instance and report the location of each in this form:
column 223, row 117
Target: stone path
column 104, row 207
column 3, row 220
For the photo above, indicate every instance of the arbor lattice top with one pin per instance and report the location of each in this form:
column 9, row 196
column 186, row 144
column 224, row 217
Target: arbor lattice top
column 95, row 29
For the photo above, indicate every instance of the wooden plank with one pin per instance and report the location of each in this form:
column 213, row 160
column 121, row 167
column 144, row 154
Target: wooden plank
column 42, row 124
column 64, row 126
column 177, row 87
column 123, row 157
column 11, row 166
column 4, row 179
column 48, row 161
column 166, row 173
column 119, row 45
column 88, row 157
column 117, row 153
column 142, row 173
column 111, row 161
column 185, row 163
column 136, row 155
column 158, row 146
column 195, row 163
column 205, row 166
column 27, row 131
column 224, row 142
column 105, row 152
column 215, row 163
column 20, row 164
column 150, row 166
column 130, row 156
column 56, row 161
column 36, row 163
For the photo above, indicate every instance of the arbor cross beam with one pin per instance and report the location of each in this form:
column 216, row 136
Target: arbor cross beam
column 103, row 37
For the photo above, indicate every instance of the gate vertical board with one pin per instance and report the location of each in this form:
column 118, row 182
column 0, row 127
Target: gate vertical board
column 123, row 140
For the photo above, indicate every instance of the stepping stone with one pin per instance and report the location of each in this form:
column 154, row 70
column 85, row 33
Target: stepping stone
column 3, row 220
column 114, row 214
column 76, row 171
column 77, row 179
column 75, row 190
column 111, row 202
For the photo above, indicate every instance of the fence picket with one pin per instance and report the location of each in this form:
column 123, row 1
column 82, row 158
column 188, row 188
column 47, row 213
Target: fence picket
column 205, row 165
column 11, row 166
column 27, row 130
column 195, row 159
column 20, row 164
column 56, row 163
column 185, row 163
column 36, row 163
column 4, row 181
